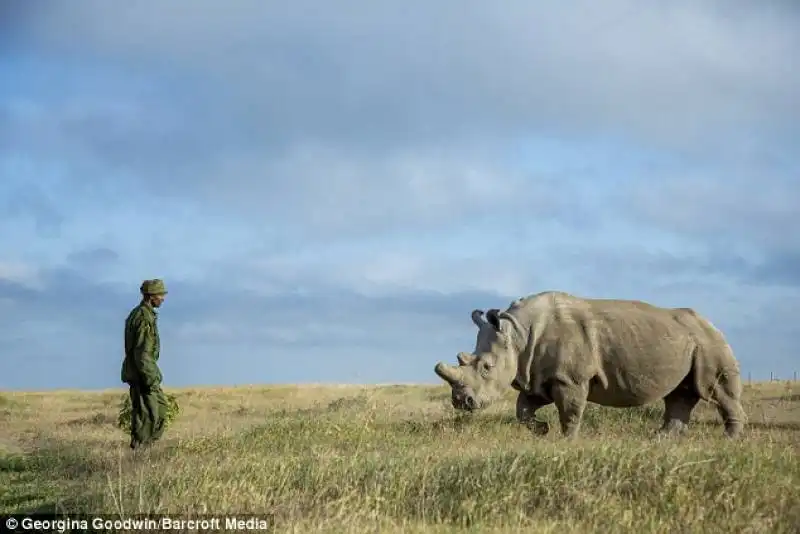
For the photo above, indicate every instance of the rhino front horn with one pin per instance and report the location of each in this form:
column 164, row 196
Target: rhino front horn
column 447, row 373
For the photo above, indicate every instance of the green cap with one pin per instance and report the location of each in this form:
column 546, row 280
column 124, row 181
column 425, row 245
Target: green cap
column 154, row 287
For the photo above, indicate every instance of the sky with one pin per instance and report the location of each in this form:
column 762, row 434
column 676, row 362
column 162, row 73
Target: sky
column 329, row 189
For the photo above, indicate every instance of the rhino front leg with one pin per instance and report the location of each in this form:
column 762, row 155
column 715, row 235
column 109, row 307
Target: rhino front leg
column 570, row 399
column 527, row 405
column 678, row 407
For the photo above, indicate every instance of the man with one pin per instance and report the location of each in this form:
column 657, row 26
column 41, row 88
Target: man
column 140, row 368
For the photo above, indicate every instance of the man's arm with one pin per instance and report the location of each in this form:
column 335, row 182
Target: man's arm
column 144, row 345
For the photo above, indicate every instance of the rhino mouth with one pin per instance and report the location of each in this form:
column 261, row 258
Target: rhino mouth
column 463, row 399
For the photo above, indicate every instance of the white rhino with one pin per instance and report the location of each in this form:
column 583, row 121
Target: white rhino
column 554, row 347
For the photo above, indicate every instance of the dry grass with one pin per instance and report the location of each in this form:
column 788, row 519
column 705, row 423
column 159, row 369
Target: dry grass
column 397, row 459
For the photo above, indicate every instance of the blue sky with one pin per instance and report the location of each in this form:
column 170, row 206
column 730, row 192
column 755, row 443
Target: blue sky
column 329, row 190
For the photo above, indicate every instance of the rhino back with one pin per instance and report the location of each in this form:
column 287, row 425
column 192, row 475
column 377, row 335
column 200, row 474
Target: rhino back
column 633, row 352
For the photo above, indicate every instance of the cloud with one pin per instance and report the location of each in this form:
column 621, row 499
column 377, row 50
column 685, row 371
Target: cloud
column 401, row 71
column 330, row 191
column 303, row 73
column 750, row 202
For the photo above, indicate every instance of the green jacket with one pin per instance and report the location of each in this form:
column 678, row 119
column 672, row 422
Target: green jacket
column 142, row 347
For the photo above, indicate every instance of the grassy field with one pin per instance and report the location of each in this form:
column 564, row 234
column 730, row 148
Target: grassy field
column 397, row 459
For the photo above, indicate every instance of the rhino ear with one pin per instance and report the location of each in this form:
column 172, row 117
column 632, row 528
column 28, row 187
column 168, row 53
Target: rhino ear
column 465, row 359
column 493, row 318
column 510, row 318
column 477, row 318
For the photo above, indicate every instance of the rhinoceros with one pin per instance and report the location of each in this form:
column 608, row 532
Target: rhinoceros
column 554, row 347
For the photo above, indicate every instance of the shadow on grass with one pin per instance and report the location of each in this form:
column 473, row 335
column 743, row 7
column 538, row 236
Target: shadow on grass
column 793, row 426
column 595, row 418
column 286, row 432
column 455, row 423
column 38, row 482
column 359, row 402
column 783, row 398
column 716, row 425
column 98, row 419
column 438, row 396
column 8, row 406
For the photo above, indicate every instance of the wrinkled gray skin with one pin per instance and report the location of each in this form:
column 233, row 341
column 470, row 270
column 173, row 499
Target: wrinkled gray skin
column 553, row 347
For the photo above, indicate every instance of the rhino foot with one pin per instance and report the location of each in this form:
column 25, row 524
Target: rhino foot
column 673, row 428
column 539, row 428
column 733, row 430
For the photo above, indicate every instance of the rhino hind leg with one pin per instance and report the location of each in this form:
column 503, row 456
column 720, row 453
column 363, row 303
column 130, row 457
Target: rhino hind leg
column 723, row 387
column 570, row 400
column 727, row 396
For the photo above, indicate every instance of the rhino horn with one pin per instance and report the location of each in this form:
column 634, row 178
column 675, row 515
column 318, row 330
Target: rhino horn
column 465, row 358
column 448, row 373
column 477, row 318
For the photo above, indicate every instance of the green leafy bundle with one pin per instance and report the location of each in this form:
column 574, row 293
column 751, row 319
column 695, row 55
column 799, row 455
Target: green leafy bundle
column 124, row 418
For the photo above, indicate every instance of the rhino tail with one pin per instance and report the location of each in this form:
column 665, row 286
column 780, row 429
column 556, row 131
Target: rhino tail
column 601, row 377
column 592, row 337
column 702, row 374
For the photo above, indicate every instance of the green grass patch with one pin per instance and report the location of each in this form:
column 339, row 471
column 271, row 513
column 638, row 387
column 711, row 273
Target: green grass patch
column 351, row 466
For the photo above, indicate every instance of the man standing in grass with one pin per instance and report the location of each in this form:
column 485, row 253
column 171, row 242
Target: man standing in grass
column 140, row 368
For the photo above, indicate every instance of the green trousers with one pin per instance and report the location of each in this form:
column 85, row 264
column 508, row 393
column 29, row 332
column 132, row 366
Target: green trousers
column 148, row 413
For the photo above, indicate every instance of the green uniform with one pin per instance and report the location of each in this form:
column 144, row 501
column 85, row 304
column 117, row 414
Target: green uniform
column 140, row 370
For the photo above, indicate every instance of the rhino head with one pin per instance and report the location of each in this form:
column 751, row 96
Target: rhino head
column 480, row 378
